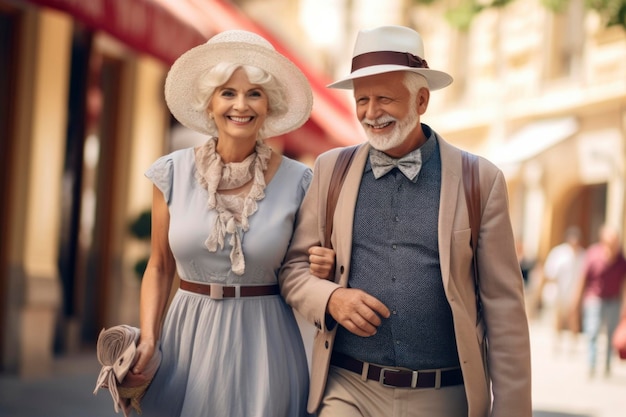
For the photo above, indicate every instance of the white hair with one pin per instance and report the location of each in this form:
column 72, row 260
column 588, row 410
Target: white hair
column 414, row 82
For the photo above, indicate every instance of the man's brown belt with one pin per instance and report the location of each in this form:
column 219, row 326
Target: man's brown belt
column 219, row 291
column 398, row 377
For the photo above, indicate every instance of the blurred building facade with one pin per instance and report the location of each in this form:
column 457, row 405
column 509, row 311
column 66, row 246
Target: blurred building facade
column 543, row 96
column 82, row 116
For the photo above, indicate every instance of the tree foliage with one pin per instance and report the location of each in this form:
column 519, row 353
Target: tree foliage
column 613, row 12
column 141, row 228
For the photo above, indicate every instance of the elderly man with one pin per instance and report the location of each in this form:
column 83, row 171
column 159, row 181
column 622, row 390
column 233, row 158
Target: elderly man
column 397, row 328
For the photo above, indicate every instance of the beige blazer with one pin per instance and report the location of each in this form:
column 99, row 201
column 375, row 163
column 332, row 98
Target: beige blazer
column 501, row 285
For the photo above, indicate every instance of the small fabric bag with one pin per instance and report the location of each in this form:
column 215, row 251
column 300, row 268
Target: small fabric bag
column 116, row 351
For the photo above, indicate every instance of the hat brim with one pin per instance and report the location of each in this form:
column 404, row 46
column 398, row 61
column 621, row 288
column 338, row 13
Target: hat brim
column 181, row 84
column 436, row 79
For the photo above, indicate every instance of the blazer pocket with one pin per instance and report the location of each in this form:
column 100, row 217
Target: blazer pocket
column 462, row 242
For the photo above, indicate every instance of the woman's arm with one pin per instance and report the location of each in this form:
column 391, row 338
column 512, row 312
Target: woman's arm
column 156, row 282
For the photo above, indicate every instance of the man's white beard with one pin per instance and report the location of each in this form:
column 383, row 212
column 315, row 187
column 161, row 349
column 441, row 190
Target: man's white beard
column 390, row 140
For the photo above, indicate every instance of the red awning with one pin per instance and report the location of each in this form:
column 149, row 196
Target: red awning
column 167, row 28
column 144, row 25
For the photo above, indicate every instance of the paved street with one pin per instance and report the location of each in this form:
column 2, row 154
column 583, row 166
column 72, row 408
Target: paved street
column 68, row 393
column 561, row 386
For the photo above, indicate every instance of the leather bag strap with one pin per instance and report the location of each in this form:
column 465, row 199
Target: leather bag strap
column 471, row 186
column 336, row 182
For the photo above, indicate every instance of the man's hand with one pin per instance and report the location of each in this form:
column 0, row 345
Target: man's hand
column 357, row 311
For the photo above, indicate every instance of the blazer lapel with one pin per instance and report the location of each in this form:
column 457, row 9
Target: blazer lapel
column 344, row 213
column 449, row 202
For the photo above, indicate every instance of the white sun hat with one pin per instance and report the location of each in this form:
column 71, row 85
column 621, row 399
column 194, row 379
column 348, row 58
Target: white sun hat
column 391, row 48
column 243, row 48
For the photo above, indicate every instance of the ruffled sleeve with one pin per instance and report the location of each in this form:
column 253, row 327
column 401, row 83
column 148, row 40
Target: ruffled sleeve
column 305, row 182
column 161, row 173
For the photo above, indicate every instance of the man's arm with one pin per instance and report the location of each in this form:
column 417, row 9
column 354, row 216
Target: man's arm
column 302, row 290
column 502, row 295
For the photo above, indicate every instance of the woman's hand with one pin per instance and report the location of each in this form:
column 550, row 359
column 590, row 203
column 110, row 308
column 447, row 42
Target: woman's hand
column 147, row 361
column 140, row 372
column 322, row 262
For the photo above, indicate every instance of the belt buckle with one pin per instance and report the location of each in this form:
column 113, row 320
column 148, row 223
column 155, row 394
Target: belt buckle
column 381, row 377
column 217, row 291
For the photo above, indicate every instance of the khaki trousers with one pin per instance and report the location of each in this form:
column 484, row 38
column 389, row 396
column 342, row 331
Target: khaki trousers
column 347, row 395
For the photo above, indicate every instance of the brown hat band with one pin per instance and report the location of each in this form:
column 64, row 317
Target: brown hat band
column 387, row 58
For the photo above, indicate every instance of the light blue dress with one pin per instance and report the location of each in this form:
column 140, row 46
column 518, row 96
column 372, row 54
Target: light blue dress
column 232, row 357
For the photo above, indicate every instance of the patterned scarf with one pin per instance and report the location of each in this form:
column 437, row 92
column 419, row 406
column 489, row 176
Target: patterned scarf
column 233, row 210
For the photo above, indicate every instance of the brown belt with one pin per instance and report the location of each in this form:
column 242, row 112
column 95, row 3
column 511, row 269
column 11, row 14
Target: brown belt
column 219, row 291
column 397, row 377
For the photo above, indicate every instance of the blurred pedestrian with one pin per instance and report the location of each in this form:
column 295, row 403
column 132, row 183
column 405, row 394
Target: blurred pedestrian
column 600, row 292
column 223, row 215
column 399, row 331
column 561, row 270
column 526, row 264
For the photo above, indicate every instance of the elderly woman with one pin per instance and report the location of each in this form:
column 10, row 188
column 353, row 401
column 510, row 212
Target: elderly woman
column 223, row 216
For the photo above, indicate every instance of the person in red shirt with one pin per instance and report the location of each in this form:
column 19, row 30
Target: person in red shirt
column 601, row 292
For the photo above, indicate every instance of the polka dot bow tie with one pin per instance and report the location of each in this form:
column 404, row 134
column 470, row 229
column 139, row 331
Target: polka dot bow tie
column 409, row 165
